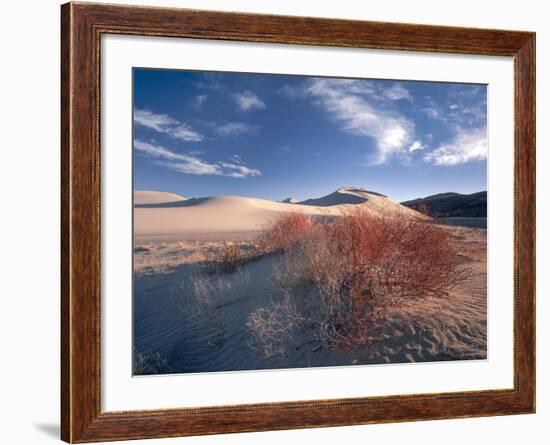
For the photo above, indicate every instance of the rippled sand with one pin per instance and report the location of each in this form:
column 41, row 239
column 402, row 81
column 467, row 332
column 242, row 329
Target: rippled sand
column 173, row 335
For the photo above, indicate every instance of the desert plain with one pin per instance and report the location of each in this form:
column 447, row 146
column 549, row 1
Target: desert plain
column 226, row 283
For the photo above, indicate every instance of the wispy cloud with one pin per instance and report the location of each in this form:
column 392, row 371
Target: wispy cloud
column 397, row 92
column 200, row 100
column 417, row 145
column 374, row 91
column 292, row 91
column 163, row 123
column 247, row 100
column 431, row 112
column 154, row 121
column 347, row 102
column 465, row 116
column 191, row 164
column 368, row 108
column 186, row 133
column 283, row 150
column 233, row 129
column 466, row 146
column 211, row 81
column 238, row 170
column 157, row 151
column 464, row 110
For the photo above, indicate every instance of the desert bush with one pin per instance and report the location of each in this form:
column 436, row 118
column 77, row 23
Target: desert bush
column 285, row 232
column 211, row 292
column 280, row 236
column 147, row 363
column 228, row 257
column 206, row 295
column 342, row 279
column 164, row 259
column 155, row 264
column 273, row 327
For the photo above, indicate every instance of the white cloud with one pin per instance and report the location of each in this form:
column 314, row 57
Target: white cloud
column 343, row 99
column 466, row 119
column 156, row 150
column 247, row 100
column 417, row 145
column 238, row 170
column 233, row 129
column 291, row 91
column 185, row 133
column 462, row 113
column 162, row 123
column 466, row 146
column 433, row 113
column 366, row 108
column 397, row 92
column 154, row 121
column 211, row 81
column 191, row 164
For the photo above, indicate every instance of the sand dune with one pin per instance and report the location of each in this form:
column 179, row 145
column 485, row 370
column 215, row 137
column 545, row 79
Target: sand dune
column 344, row 195
column 218, row 216
column 152, row 197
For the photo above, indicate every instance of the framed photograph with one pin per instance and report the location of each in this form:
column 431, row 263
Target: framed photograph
column 275, row 222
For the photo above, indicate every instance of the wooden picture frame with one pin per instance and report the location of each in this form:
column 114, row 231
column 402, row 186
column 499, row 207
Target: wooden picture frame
column 82, row 26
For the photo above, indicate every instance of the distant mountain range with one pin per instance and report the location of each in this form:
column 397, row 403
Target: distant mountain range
column 446, row 205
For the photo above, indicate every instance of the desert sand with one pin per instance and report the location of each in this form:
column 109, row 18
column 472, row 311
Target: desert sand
column 175, row 235
column 220, row 217
column 173, row 336
column 142, row 197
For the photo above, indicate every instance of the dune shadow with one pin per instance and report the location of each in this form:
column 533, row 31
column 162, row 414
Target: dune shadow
column 183, row 203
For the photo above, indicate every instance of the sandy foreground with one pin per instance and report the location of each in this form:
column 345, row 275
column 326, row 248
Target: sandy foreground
column 172, row 334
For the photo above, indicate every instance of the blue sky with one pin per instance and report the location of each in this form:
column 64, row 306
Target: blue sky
column 272, row 136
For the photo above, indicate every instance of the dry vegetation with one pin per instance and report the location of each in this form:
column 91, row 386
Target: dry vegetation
column 149, row 363
column 285, row 233
column 334, row 283
column 213, row 291
column 162, row 257
column 340, row 278
column 229, row 256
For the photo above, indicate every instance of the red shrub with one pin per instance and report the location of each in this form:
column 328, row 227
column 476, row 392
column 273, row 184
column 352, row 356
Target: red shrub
column 342, row 278
column 286, row 232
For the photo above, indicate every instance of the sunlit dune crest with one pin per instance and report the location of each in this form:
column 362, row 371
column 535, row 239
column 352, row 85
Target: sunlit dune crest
column 166, row 215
